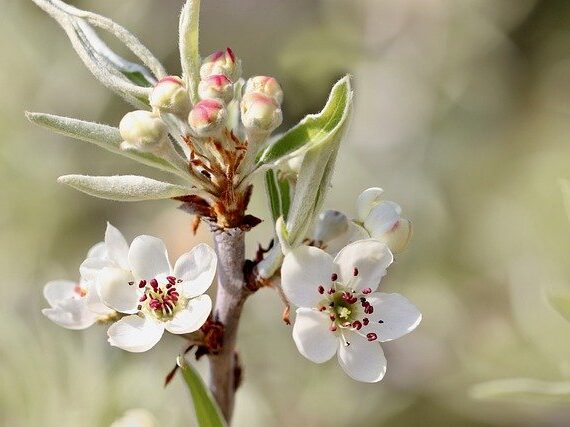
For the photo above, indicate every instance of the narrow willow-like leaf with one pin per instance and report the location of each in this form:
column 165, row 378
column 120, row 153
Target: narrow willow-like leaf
column 314, row 129
column 278, row 193
column 129, row 80
column 272, row 190
column 104, row 136
column 125, row 188
column 189, row 45
column 207, row 411
column 528, row 389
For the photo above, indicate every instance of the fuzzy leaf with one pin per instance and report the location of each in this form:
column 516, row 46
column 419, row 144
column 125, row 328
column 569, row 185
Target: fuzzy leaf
column 189, row 46
column 314, row 129
column 124, row 188
column 315, row 173
column 278, row 192
column 130, row 80
column 104, row 136
column 207, row 411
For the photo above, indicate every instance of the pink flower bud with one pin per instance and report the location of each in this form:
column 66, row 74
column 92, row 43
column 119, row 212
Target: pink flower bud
column 142, row 130
column 221, row 62
column 260, row 112
column 207, row 116
column 170, row 95
column 216, row 87
column 265, row 85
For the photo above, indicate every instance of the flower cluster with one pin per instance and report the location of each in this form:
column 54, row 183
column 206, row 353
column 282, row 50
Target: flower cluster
column 339, row 311
column 135, row 287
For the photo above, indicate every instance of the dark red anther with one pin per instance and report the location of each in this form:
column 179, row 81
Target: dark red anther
column 143, row 298
column 380, row 321
column 154, row 284
column 171, row 279
column 334, row 277
column 357, row 325
column 332, row 317
column 142, row 284
column 365, row 321
column 131, row 283
column 355, row 272
column 371, row 336
column 321, row 289
column 331, row 291
column 332, row 327
column 366, row 291
column 369, row 309
column 322, row 308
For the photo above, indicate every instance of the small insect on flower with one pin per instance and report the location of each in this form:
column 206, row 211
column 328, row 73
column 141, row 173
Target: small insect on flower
column 164, row 297
column 339, row 309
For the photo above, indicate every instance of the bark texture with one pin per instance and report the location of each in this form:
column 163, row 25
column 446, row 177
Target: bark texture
column 231, row 295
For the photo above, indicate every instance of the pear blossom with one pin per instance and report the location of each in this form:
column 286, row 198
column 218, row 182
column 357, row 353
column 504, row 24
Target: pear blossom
column 160, row 297
column 76, row 304
column 381, row 219
column 339, row 311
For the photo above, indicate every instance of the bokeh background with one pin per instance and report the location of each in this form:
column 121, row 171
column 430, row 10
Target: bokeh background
column 462, row 115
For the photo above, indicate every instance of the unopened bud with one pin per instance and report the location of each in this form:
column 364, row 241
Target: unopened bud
column 330, row 225
column 399, row 236
column 265, row 85
column 170, row 95
column 260, row 112
column 216, row 87
column 207, row 116
column 221, row 62
column 367, row 200
column 142, row 130
column 384, row 223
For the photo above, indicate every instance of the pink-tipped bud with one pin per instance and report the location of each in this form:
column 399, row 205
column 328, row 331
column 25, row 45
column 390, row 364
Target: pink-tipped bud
column 221, row 62
column 142, row 130
column 260, row 113
column 265, row 85
column 207, row 116
column 170, row 95
column 399, row 236
column 216, row 87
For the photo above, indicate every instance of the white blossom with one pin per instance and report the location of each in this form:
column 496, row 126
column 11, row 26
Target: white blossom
column 340, row 311
column 158, row 296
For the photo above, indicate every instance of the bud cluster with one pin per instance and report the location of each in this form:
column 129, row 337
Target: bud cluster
column 201, row 127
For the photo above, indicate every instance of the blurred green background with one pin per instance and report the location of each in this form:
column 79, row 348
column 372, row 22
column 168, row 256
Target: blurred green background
column 462, row 115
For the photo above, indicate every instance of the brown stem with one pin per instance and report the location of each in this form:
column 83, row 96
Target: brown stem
column 231, row 295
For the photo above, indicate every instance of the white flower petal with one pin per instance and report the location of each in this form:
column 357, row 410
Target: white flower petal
column 135, row 334
column 115, row 291
column 196, row 269
column 362, row 264
column 192, row 317
column 98, row 250
column 312, row 336
column 357, row 232
column 71, row 314
column 57, row 291
column 117, row 247
column 91, row 267
column 382, row 218
column 148, row 257
column 362, row 360
column 398, row 315
column 94, row 303
column 367, row 200
column 305, row 269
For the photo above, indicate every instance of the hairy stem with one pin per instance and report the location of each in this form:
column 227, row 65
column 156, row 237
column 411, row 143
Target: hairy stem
column 231, row 295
